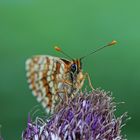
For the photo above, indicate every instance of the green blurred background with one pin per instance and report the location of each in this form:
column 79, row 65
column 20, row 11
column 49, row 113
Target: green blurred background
column 29, row 27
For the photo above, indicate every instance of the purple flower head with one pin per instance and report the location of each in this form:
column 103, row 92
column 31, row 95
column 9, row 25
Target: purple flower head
column 87, row 116
column 0, row 133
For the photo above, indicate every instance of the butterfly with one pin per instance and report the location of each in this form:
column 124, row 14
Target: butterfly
column 52, row 79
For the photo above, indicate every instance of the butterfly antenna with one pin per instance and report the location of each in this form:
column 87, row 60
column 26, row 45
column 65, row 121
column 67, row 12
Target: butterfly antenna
column 109, row 44
column 59, row 50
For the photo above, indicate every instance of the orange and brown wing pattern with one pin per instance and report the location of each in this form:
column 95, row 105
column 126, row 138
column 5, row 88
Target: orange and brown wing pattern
column 41, row 73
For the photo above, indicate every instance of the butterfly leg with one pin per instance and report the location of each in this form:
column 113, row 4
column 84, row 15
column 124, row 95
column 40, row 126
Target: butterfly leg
column 65, row 82
column 86, row 75
column 64, row 91
column 58, row 93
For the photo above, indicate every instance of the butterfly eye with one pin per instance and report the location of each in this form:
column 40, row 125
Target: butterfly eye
column 73, row 67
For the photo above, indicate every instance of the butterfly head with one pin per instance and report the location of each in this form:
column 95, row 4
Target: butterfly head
column 76, row 66
column 76, row 70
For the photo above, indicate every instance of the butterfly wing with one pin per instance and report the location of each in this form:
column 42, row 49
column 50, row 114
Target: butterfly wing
column 42, row 72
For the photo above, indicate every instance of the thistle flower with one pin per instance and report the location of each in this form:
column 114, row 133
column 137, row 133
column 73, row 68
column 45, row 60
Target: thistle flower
column 36, row 131
column 0, row 133
column 1, row 138
column 88, row 116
